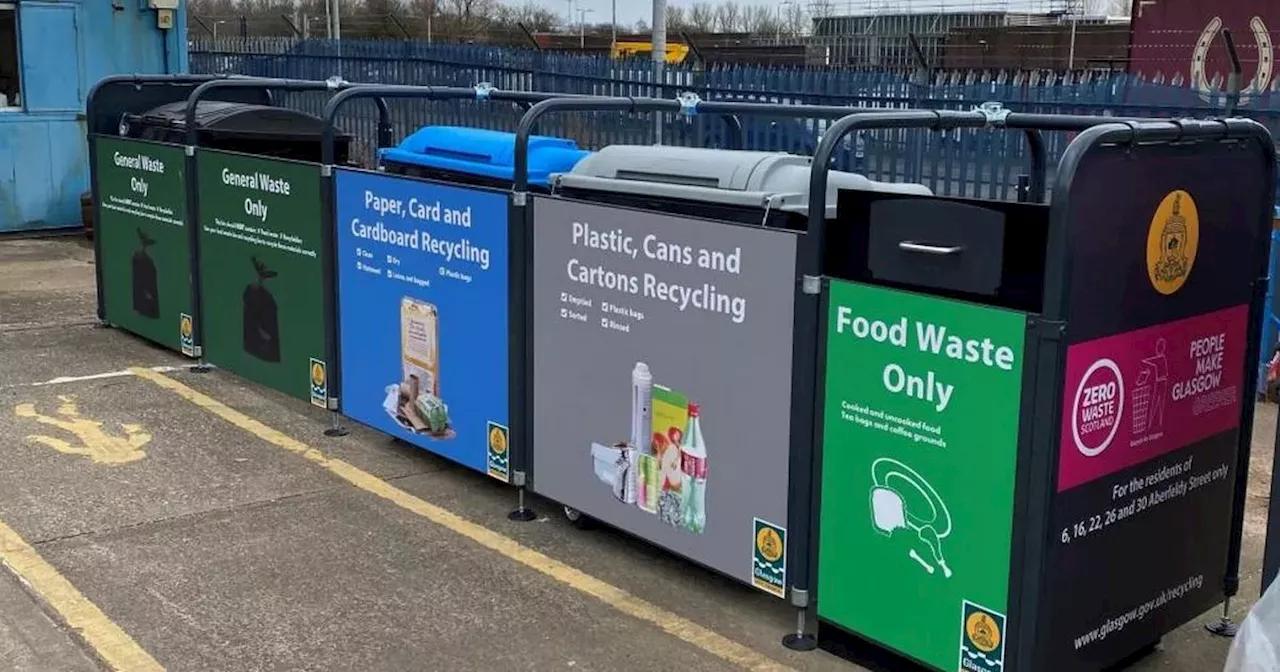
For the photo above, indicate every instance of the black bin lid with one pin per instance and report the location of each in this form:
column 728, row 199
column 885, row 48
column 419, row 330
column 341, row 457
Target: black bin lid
column 219, row 119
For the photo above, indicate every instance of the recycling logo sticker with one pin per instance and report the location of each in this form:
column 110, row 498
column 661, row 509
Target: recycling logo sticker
column 982, row 637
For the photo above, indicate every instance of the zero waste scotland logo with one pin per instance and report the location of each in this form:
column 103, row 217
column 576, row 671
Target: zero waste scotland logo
column 982, row 637
column 769, row 558
column 499, row 457
column 319, row 384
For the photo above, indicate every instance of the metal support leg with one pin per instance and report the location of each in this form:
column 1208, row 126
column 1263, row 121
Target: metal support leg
column 335, row 428
column 800, row 640
column 522, row 513
column 1224, row 627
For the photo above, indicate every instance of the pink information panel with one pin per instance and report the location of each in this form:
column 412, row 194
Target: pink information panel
column 1138, row 395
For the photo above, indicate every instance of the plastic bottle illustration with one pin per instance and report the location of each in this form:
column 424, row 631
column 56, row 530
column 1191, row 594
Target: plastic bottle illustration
column 641, row 491
column 693, row 480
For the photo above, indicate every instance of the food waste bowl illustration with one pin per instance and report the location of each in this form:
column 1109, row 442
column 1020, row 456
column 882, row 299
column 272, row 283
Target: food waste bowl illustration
column 663, row 327
column 1033, row 417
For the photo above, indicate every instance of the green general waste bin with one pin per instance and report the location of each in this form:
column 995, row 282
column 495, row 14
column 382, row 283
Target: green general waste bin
column 1035, row 419
column 263, row 248
column 140, row 188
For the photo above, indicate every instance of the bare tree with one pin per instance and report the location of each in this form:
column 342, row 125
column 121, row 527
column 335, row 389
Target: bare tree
column 729, row 16
column 467, row 19
column 702, row 17
column 760, row 20
column 796, row 20
column 535, row 17
column 822, row 9
column 676, row 19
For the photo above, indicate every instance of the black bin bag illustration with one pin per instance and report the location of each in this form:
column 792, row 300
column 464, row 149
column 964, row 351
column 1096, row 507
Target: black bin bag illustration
column 261, row 320
column 146, row 283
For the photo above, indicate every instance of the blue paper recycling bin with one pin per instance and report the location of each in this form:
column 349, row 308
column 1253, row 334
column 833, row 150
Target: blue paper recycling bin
column 478, row 156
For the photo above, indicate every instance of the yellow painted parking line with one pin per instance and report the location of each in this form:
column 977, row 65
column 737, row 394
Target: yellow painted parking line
column 113, row 645
column 681, row 628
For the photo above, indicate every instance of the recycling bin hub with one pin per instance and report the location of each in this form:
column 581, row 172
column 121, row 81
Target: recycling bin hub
column 479, row 157
column 1034, row 417
column 663, row 292
column 261, row 241
column 424, row 277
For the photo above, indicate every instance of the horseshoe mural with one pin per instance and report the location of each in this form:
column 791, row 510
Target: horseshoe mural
column 1209, row 41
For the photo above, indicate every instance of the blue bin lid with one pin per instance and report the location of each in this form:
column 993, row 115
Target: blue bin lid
column 485, row 153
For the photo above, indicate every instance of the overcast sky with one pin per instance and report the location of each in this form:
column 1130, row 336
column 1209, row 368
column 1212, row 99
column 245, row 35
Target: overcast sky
column 630, row 11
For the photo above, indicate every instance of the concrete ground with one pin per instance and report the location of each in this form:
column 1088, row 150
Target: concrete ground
column 186, row 521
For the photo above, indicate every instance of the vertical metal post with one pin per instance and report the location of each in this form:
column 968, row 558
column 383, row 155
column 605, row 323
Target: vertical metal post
column 1071, row 53
column 659, row 61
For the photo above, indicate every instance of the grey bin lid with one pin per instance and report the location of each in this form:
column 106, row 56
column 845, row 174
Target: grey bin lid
column 772, row 180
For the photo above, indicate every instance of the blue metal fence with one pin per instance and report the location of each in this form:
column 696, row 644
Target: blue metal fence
column 973, row 162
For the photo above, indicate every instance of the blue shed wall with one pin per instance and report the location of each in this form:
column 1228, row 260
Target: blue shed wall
column 65, row 47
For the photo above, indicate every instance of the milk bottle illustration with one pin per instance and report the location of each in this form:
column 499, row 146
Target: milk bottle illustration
column 642, row 467
column 693, row 480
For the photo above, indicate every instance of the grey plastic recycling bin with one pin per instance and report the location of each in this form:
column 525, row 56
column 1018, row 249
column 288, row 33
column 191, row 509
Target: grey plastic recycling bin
column 720, row 184
column 672, row 272
column 766, row 188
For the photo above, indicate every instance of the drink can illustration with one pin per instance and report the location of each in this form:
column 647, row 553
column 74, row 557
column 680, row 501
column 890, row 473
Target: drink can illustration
column 420, row 344
column 650, row 483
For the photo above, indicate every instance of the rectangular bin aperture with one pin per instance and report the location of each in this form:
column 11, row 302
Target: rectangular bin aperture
column 423, row 269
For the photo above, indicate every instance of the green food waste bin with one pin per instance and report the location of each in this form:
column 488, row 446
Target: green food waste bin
column 1035, row 419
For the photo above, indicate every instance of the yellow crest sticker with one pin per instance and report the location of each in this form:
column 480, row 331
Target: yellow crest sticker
column 769, row 544
column 769, row 558
column 319, row 383
column 982, row 638
column 497, row 440
column 499, row 461
column 983, row 631
column 1172, row 242
column 187, row 335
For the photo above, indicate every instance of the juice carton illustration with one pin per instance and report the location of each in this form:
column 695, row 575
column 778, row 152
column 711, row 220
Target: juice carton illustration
column 420, row 344
column 670, row 417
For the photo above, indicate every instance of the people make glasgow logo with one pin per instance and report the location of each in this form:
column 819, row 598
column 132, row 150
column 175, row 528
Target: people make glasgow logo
column 1208, row 42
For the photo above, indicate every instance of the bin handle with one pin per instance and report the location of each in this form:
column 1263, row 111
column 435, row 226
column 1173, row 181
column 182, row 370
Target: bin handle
column 924, row 248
